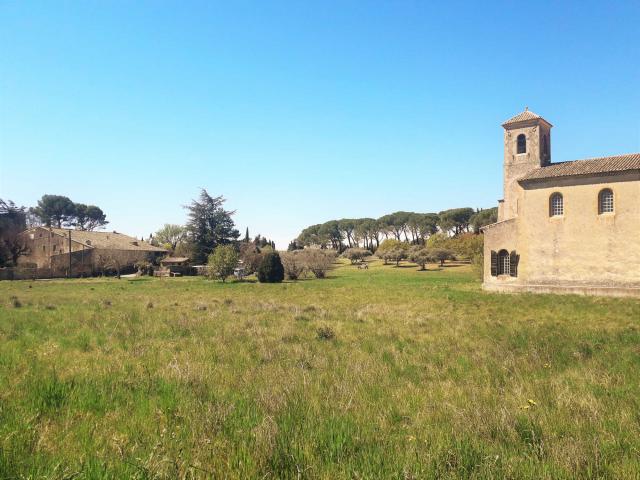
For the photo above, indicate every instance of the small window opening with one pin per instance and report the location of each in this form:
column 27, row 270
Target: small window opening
column 522, row 143
column 556, row 205
column 605, row 201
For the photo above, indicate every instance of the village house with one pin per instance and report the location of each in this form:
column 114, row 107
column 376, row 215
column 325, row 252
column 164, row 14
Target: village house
column 565, row 227
column 62, row 252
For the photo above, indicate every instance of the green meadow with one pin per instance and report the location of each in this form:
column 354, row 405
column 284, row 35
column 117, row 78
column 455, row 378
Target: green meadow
column 380, row 373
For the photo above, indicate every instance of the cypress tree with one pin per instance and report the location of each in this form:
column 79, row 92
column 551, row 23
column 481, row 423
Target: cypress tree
column 271, row 269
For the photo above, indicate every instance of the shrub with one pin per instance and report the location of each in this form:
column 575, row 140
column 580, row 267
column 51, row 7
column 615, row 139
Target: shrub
column 319, row 262
column 293, row 263
column 222, row 262
column 325, row 333
column 356, row 254
column 271, row 269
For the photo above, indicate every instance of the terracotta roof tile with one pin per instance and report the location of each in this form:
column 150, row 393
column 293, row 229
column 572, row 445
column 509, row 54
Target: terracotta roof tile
column 619, row 163
column 107, row 240
column 523, row 117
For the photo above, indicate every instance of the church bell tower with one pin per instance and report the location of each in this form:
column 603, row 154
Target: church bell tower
column 527, row 146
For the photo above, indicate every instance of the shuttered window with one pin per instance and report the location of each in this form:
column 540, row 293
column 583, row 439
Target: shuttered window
column 513, row 263
column 494, row 263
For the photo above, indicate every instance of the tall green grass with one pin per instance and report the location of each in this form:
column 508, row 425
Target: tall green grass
column 380, row 373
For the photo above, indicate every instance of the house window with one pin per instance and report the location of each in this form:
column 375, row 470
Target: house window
column 44, row 248
column 605, row 201
column 55, row 247
column 556, row 205
column 522, row 143
column 545, row 145
column 504, row 263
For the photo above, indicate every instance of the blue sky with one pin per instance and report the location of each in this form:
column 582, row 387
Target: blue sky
column 300, row 112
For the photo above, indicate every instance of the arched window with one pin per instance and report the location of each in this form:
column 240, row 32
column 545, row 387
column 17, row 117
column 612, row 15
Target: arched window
column 605, row 201
column 556, row 205
column 504, row 263
column 545, row 145
column 522, row 143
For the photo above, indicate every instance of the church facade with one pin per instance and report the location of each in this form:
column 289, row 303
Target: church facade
column 566, row 227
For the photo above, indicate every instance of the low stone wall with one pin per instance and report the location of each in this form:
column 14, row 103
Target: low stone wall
column 25, row 273
column 591, row 290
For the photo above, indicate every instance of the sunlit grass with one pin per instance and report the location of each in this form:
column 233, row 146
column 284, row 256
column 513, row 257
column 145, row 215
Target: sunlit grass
column 380, row 373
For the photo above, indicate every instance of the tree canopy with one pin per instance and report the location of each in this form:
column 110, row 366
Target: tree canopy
column 209, row 225
column 12, row 223
column 411, row 227
column 58, row 211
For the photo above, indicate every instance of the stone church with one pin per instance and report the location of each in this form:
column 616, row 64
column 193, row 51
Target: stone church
column 564, row 227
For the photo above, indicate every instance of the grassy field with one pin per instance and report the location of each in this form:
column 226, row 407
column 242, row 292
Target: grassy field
column 380, row 373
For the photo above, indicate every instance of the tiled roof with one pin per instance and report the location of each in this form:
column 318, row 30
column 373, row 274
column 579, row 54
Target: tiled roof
column 523, row 117
column 107, row 240
column 619, row 163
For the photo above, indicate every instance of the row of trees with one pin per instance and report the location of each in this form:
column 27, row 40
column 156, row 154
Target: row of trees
column 411, row 227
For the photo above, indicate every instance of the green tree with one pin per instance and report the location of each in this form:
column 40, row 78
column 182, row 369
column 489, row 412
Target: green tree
column 396, row 223
column 209, row 225
column 171, row 235
column 12, row 223
column 385, row 247
column 54, row 210
column 369, row 230
column 271, row 269
column 331, row 231
column 356, row 255
column 482, row 218
column 398, row 253
column 87, row 217
column 455, row 220
column 421, row 256
column 346, row 227
column 317, row 261
column 427, row 225
column 222, row 262
column 442, row 254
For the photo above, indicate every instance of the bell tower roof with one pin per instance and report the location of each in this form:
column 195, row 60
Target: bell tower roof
column 523, row 118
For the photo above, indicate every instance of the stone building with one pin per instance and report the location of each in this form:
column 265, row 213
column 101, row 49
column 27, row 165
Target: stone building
column 565, row 227
column 56, row 250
